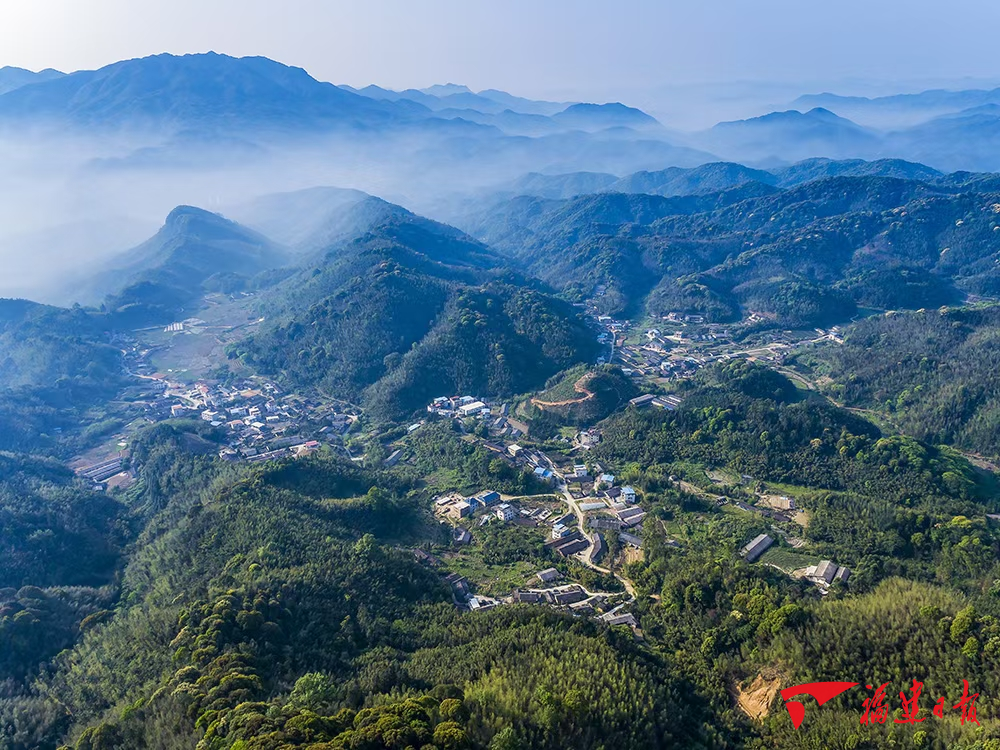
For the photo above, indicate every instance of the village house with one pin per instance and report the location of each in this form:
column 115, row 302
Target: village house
column 548, row 575
column 505, row 512
column 461, row 509
column 544, row 474
column 598, row 550
column 487, row 498
column 784, row 503
column 459, row 586
column 568, row 596
column 641, row 402
column 572, row 547
column 471, row 409
column 826, row 573
column 559, row 531
column 756, row 547
column 481, row 602
column 605, row 523
column 626, row 619
column 631, row 539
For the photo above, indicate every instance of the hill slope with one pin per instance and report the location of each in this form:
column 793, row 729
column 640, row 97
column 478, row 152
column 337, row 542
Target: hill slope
column 806, row 255
column 14, row 78
column 932, row 373
column 193, row 253
column 791, row 136
column 408, row 311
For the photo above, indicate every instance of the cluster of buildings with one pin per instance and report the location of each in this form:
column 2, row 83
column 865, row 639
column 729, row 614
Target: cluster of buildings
column 827, row 573
column 823, row 574
column 108, row 474
column 102, row 470
column 260, row 422
column 524, row 459
column 647, row 400
column 570, row 597
column 459, row 406
column 484, row 507
column 496, row 415
column 587, row 439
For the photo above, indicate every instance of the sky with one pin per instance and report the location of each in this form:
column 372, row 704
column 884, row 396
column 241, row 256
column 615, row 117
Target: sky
column 569, row 49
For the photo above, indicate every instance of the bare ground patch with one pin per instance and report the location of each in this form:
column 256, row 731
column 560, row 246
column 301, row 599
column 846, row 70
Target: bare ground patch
column 755, row 700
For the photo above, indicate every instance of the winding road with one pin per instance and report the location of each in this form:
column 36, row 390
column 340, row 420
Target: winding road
column 578, row 386
column 584, row 555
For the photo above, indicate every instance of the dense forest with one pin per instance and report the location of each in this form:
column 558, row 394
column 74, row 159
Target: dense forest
column 806, row 252
column 280, row 605
column 933, row 373
column 55, row 364
column 274, row 606
column 410, row 311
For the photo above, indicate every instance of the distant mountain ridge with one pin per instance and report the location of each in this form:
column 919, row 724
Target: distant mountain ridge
column 452, row 96
column 791, row 135
column 902, row 109
column 12, row 78
column 710, row 177
column 192, row 90
column 212, row 111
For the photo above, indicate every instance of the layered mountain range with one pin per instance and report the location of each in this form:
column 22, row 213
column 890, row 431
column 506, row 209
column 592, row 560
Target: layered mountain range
column 234, row 103
column 796, row 245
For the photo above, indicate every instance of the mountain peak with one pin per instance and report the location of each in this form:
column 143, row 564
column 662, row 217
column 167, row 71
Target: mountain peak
column 192, row 91
column 12, row 78
column 446, row 89
column 183, row 216
column 823, row 113
column 613, row 114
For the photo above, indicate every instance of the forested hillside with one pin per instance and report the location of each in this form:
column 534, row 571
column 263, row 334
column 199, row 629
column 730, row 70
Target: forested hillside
column 581, row 396
column 934, row 373
column 921, row 509
column 807, row 255
column 54, row 363
column 411, row 310
column 55, row 348
column 270, row 606
column 583, row 436
column 280, row 605
column 227, row 605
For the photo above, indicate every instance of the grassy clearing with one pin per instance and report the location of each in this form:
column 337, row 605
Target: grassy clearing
column 492, row 580
column 790, row 490
column 788, row 559
column 564, row 388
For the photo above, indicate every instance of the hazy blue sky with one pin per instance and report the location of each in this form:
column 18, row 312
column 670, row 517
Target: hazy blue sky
column 539, row 47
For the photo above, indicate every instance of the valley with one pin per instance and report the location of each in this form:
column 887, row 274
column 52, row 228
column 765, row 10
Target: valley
column 550, row 428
